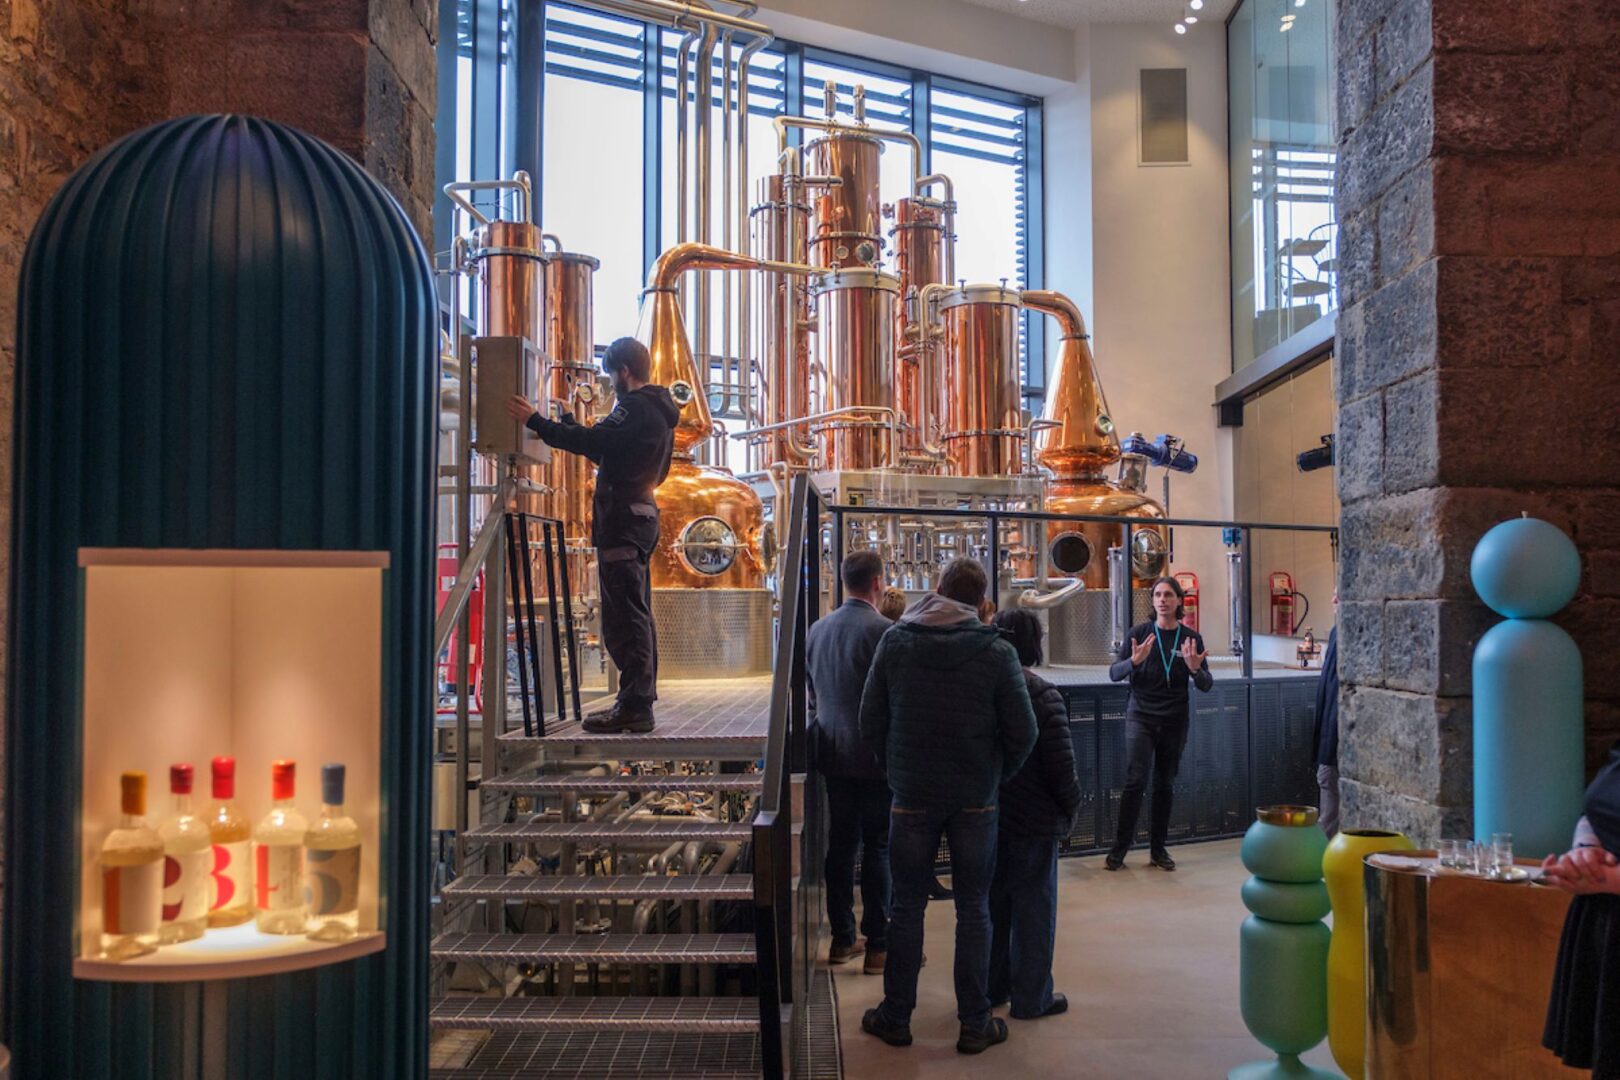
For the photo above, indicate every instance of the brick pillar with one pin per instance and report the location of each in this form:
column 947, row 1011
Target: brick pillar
column 75, row 74
column 1478, row 364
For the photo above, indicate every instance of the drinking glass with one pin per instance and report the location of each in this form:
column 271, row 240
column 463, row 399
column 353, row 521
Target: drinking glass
column 1501, row 854
column 1447, row 854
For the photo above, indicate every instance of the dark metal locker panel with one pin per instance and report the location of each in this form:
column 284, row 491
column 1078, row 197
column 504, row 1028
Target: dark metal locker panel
column 1111, row 761
column 1217, row 754
column 1281, row 734
column 1087, row 834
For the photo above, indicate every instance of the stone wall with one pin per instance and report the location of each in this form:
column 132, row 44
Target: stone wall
column 1479, row 210
column 75, row 74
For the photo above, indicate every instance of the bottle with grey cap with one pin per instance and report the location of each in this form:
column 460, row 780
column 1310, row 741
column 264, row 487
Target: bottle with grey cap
column 332, row 864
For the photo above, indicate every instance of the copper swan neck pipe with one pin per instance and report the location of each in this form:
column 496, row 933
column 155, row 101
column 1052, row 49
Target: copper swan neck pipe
column 1070, row 322
column 677, row 260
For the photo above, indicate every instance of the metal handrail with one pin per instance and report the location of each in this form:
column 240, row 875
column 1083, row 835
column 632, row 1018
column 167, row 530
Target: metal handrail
column 1104, row 519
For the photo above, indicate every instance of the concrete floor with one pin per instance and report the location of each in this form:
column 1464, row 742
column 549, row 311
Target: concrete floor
column 1149, row 962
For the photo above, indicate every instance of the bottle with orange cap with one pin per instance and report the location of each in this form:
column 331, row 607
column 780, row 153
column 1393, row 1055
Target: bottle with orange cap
column 131, row 878
column 278, row 858
column 187, row 852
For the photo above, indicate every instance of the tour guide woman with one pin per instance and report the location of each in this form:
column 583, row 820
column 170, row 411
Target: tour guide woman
column 1160, row 658
column 1583, row 1017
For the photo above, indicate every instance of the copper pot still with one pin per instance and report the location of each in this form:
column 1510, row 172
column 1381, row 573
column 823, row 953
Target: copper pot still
column 855, row 321
column 983, row 401
column 847, row 230
column 509, row 261
column 571, row 382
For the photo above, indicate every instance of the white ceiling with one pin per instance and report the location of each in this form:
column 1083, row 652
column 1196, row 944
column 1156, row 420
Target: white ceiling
column 1074, row 13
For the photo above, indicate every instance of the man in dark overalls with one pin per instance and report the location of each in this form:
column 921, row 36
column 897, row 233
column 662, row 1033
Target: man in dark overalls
column 631, row 448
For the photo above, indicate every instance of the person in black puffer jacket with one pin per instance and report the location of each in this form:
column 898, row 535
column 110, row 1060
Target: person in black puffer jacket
column 1038, row 808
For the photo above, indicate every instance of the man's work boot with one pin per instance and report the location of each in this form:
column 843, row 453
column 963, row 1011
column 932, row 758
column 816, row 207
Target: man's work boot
column 622, row 719
column 839, row 954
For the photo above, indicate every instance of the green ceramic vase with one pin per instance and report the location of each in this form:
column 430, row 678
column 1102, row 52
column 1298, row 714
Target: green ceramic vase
column 1283, row 976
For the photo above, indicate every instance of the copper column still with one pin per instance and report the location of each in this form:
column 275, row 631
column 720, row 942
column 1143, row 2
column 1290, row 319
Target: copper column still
column 712, row 530
column 983, row 401
column 855, row 321
column 1077, row 447
column 509, row 261
column 923, row 255
column 847, row 229
column 781, row 221
column 571, row 383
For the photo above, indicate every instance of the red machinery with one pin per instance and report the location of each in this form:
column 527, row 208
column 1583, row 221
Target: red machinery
column 1189, row 603
column 1282, row 603
column 475, row 603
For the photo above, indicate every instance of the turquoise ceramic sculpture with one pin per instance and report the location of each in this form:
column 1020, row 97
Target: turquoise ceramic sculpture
column 1529, row 724
column 1283, row 976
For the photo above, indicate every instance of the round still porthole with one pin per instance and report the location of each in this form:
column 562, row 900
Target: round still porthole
column 708, row 546
column 1147, row 553
column 1071, row 553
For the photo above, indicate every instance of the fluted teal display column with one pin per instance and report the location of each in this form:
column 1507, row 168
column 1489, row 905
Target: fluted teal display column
column 1283, row 976
column 1529, row 713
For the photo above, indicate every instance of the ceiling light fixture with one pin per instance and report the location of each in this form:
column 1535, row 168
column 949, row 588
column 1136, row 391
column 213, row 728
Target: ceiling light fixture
column 1189, row 20
column 1196, row 5
column 1180, row 28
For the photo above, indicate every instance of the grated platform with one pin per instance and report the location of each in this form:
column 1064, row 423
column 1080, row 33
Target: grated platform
column 605, row 887
column 675, row 1014
column 598, row 948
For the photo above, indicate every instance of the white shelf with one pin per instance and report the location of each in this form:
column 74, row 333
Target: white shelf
column 235, row 952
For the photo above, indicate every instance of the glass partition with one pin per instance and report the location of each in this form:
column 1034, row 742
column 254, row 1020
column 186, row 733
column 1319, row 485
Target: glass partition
column 1282, row 157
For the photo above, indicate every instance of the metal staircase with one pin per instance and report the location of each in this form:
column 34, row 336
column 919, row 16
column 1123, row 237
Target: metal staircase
column 624, row 905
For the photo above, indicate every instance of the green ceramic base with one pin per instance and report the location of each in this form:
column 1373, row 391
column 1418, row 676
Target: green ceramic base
column 1286, row 1067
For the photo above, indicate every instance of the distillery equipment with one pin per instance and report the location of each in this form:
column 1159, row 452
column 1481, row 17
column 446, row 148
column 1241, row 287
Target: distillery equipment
column 983, row 397
column 855, row 320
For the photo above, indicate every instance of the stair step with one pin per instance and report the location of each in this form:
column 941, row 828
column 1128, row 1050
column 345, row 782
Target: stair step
column 604, row 887
column 610, row 1055
column 572, row 743
column 546, row 785
column 675, row 828
column 598, row 948
column 682, row 1014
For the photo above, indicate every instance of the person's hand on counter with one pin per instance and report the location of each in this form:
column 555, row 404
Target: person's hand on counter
column 1583, row 871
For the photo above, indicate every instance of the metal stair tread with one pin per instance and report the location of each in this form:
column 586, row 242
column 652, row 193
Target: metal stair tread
column 604, row 887
column 686, row 1014
column 598, row 948
column 536, row 785
column 674, row 829
column 609, row 1055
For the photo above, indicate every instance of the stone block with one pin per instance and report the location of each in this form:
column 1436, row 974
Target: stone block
column 1602, row 576
column 1348, row 330
column 1429, row 644
column 1358, row 256
column 1500, row 104
column 1503, row 312
column 1403, row 41
column 1594, row 117
column 1361, row 643
column 1496, row 431
column 1412, row 745
column 401, row 37
column 1412, row 433
column 1591, row 620
column 1553, row 205
column 1397, row 135
column 1406, row 216
column 1355, row 88
column 1388, row 547
column 1597, row 519
column 1358, row 18
column 1500, row 26
column 1397, row 335
column 1365, row 806
column 1358, row 448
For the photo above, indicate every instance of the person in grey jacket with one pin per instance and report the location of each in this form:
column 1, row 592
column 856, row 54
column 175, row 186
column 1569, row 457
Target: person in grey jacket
column 837, row 656
column 1038, row 808
column 948, row 715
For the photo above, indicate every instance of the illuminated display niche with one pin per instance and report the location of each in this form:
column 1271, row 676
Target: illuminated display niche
column 262, row 655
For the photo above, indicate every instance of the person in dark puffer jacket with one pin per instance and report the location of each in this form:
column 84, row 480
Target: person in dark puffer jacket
column 1038, row 808
column 947, row 712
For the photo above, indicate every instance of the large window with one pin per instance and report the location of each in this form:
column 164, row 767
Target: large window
column 1284, row 236
column 607, row 143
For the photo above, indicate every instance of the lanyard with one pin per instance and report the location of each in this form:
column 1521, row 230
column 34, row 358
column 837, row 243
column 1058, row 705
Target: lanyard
column 1171, row 660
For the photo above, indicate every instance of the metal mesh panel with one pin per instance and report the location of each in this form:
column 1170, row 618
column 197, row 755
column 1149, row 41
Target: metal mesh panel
column 1283, row 722
column 712, row 633
column 1087, row 832
column 1218, row 757
column 1079, row 629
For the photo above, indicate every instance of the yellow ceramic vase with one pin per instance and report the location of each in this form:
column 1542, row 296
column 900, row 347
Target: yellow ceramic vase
column 1347, row 956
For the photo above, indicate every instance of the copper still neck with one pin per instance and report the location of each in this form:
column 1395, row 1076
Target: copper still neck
column 1080, row 440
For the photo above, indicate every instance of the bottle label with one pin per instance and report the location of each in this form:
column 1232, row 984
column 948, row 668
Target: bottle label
column 132, row 898
column 185, row 885
column 333, row 881
column 228, row 880
column 279, row 876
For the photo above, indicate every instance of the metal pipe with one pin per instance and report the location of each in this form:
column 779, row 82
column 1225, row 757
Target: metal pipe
column 552, row 238
column 677, row 260
column 1119, row 594
column 702, row 105
column 725, row 221
column 813, row 417
column 683, row 63
column 678, row 15
column 745, row 284
column 520, row 183
column 929, row 381
column 1041, row 601
column 1071, row 324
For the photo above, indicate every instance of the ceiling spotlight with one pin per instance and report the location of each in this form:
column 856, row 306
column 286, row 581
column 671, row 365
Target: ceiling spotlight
column 1299, row 3
column 1191, row 19
column 1180, row 29
column 1196, row 5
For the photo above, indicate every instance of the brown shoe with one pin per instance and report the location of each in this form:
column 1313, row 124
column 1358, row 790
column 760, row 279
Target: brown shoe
column 842, row 954
column 874, row 961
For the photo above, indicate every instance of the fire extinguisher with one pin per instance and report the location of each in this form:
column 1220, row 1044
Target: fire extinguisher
column 1189, row 603
column 1282, row 603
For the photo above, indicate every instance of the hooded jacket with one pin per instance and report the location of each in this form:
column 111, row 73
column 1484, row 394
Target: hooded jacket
column 631, row 447
column 945, row 708
column 1043, row 799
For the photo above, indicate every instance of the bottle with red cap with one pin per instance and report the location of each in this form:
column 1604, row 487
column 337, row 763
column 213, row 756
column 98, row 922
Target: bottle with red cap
column 278, row 858
column 230, row 877
column 131, row 878
column 187, row 849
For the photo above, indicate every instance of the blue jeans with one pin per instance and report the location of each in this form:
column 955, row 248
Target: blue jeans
column 858, row 812
column 913, row 844
column 1023, row 913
